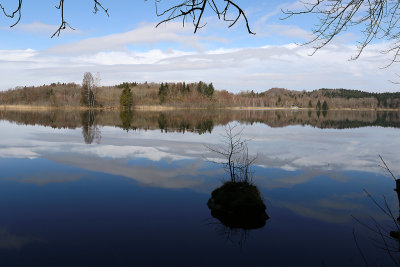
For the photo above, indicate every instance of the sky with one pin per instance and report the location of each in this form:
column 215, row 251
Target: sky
column 126, row 46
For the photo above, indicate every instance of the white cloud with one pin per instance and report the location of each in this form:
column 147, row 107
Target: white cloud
column 234, row 69
column 147, row 34
column 17, row 55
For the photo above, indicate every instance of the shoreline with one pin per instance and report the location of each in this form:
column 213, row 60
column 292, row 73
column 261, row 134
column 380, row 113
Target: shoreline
column 169, row 108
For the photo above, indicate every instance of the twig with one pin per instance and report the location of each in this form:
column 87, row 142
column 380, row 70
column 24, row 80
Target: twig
column 358, row 248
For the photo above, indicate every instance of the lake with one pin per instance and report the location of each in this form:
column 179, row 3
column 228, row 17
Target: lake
column 131, row 188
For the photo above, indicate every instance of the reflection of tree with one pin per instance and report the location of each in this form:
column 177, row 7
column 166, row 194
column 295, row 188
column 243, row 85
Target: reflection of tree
column 205, row 126
column 90, row 130
column 385, row 237
column 162, row 122
column 169, row 122
column 126, row 116
column 203, row 121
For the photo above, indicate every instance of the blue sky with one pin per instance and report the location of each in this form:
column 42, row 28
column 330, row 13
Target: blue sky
column 127, row 47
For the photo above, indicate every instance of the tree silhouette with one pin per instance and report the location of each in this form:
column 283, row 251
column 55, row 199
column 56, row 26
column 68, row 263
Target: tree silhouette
column 235, row 153
column 186, row 10
column 376, row 20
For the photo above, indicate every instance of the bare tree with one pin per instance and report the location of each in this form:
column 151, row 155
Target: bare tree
column 88, row 85
column 187, row 10
column 376, row 20
column 234, row 150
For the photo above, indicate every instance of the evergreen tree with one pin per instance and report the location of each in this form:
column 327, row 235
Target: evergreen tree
column 182, row 88
column 325, row 106
column 318, row 106
column 126, row 99
column 162, row 92
column 209, row 90
column 309, row 104
column 201, row 88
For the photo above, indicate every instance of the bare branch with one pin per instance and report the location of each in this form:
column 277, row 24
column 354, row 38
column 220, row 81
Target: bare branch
column 63, row 25
column 358, row 248
column 234, row 150
column 195, row 10
column 96, row 9
column 376, row 19
column 185, row 9
column 13, row 13
column 385, row 166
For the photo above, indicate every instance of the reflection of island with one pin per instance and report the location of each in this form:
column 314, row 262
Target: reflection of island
column 238, row 205
column 203, row 121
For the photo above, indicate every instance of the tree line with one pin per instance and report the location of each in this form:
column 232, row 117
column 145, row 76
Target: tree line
column 91, row 94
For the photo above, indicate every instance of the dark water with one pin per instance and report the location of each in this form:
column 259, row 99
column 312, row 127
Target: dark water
column 111, row 189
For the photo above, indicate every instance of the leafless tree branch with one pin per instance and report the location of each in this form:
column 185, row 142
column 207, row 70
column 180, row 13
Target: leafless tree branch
column 13, row 13
column 63, row 25
column 377, row 20
column 194, row 10
column 385, row 167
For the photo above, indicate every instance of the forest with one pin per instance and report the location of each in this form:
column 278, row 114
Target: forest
column 190, row 95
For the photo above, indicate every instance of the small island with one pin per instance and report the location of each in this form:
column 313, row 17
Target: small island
column 238, row 205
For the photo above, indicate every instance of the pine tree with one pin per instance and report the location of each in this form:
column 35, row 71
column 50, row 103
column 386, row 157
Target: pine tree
column 200, row 87
column 209, row 90
column 126, row 99
column 325, row 106
column 162, row 92
column 182, row 88
column 318, row 106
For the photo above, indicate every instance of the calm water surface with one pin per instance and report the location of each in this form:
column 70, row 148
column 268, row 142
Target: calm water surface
column 110, row 189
